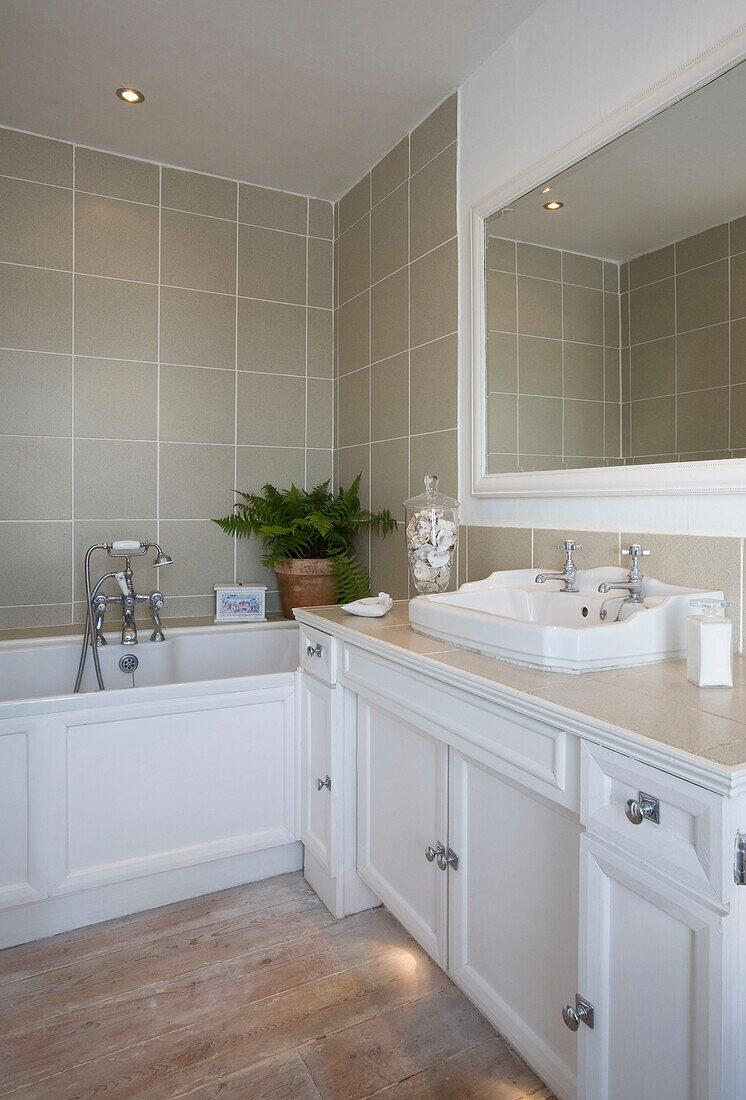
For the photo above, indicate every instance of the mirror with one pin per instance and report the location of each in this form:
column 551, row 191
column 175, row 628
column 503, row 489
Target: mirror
column 615, row 299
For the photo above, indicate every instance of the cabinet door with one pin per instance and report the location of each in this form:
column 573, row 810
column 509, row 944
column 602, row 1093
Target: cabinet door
column 402, row 795
column 651, row 965
column 319, row 737
column 514, row 913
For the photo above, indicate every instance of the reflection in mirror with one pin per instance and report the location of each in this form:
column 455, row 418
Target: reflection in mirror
column 615, row 304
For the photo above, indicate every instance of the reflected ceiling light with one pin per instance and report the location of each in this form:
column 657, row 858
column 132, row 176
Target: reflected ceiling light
column 130, row 95
column 553, row 205
column 544, row 190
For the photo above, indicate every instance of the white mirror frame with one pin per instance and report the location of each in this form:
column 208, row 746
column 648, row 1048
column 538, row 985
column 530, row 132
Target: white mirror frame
column 665, row 479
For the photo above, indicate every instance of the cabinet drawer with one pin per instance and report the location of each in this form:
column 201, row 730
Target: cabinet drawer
column 685, row 845
column 318, row 654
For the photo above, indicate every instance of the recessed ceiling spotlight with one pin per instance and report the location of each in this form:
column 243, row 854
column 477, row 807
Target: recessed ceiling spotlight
column 553, row 205
column 545, row 190
column 130, row 95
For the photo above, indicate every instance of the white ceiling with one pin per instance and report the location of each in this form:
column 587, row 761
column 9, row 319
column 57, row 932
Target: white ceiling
column 303, row 95
column 679, row 173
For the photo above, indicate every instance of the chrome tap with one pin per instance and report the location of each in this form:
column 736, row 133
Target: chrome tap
column 569, row 571
column 633, row 583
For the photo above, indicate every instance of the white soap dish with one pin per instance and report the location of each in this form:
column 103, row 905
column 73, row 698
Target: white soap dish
column 371, row 608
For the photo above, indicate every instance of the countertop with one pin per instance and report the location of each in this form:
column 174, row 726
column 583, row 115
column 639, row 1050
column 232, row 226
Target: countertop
column 651, row 702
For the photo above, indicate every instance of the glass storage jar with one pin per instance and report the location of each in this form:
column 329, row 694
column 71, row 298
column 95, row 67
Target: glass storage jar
column 432, row 537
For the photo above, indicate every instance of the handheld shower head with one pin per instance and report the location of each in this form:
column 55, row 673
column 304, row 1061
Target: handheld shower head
column 161, row 558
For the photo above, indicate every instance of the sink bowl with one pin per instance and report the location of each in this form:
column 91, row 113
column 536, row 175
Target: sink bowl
column 511, row 617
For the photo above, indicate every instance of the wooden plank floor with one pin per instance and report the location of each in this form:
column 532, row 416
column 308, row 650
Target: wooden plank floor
column 256, row 993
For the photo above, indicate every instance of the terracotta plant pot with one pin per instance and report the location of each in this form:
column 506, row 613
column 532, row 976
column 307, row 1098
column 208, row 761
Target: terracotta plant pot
column 306, row 582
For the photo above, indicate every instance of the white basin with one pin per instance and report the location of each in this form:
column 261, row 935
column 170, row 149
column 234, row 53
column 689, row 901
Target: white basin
column 511, row 617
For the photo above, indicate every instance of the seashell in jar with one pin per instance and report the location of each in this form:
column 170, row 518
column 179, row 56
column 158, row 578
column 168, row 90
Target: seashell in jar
column 443, row 578
column 423, row 572
column 419, row 529
column 439, row 558
column 445, row 538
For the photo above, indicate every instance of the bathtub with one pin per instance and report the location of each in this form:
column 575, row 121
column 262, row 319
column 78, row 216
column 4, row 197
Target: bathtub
column 177, row 780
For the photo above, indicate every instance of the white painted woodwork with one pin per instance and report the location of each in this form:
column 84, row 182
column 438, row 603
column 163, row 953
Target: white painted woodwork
column 512, row 900
column 402, row 809
column 318, row 654
column 651, row 965
column 319, row 825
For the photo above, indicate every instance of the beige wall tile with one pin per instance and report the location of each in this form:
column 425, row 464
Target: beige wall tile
column 320, row 273
column 28, row 157
column 389, row 316
column 197, row 328
column 540, row 366
column 702, row 358
column 116, row 319
column 249, row 554
column 352, row 408
column 197, row 404
column 35, row 224
column 271, row 265
column 271, row 337
column 36, row 393
column 36, row 566
column 502, row 423
column 116, row 238
column 354, row 204
column 543, row 263
column 651, row 267
column 187, row 607
column 653, row 368
column 319, row 413
column 202, row 554
column 34, row 477
column 598, row 548
column 738, row 235
column 437, row 131
column 272, row 209
column 198, row 252
column 117, row 177
column 702, row 248
column 319, row 324
column 611, row 320
column 501, row 302
column 703, row 420
column 496, row 548
column 584, row 371
column 321, row 219
column 702, row 296
column 389, row 397
column 388, row 565
column 260, row 396
column 652, row 312
column 433, row 295
column 196, row 481
column 434, row 385
column 353, row 338
column 259, row 466
column 738, row 286
column 352, row 461
column 501, row 254
column 738, row 351
column 354, row 260
column 114, row 479
column 540, row 420
column 653, row 426
column 584, row 428
column 612, row 374
column 37, row 309
column 583, row 313
column 14, row 618
column 389, row 249
column 738, row 417
column 319, row 465
column 539, row 307
column 391, row 171
column 611, row 277
column 198, row 194
column 502, row 362
column 433, row 203
column 612, row 430
column 99, row 412
column 435, row 453
column 389, row 476
column 584, row 270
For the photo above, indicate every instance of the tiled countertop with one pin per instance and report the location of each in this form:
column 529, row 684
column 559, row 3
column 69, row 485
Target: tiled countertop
column 653, row 702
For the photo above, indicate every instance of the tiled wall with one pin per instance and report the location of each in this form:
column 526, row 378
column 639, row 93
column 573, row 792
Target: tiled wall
column 396, row 324
column 684, row 348
column 553, row 366
column 693, row 560
column 164, row 337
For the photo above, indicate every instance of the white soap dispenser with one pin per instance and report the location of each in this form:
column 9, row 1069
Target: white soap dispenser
column 709, row 655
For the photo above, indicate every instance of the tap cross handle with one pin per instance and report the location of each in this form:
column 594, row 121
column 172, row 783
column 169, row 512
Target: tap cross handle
column 569, row 545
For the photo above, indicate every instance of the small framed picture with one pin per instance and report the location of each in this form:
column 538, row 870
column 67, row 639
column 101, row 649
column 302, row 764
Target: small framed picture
column 240, row 603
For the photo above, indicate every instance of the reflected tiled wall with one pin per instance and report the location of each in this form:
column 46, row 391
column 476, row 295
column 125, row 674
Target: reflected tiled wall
column 164, row 337
column 396, row 324
column 552, row 358
column 684, row 348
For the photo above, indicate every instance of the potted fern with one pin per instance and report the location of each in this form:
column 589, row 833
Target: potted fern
column 307, row 538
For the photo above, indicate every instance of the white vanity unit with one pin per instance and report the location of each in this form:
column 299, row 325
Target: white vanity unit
column 568, row 848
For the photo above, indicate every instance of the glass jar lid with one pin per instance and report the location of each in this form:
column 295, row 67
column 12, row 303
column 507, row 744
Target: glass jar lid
column 431, row 498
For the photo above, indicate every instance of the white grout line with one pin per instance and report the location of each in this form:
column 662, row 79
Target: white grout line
column 158, row 367
column 72, row 401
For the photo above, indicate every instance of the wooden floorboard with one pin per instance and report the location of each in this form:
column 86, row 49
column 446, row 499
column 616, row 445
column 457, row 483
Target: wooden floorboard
column 255, row 993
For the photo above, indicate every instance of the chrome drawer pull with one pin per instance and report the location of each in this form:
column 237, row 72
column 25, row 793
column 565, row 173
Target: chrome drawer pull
column 448, row 859
column 434, row 853
column 581, row 1013
column 325, row 782
column 643, row 808
column 314, row 650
